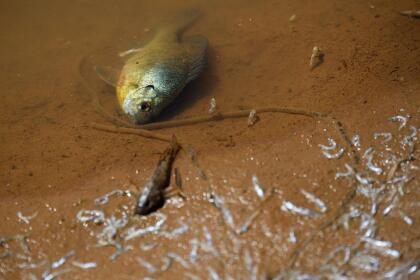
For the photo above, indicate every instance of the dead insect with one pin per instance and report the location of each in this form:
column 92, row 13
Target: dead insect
column 154, row 192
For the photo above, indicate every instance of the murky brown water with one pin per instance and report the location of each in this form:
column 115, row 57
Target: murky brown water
column 54, row 164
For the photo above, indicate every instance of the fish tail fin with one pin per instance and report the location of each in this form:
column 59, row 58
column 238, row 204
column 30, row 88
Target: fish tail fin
column 171, row 28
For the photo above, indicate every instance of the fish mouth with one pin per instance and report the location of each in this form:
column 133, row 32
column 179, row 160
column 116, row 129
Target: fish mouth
column 145, row 106
column 140, row 117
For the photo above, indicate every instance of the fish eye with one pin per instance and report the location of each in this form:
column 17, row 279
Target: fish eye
column 145, row 106
column 150, row 87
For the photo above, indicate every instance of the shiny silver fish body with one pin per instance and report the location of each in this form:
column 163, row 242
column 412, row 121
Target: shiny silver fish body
column 154, row 75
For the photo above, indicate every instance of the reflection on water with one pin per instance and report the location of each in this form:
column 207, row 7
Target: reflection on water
column 285, row 196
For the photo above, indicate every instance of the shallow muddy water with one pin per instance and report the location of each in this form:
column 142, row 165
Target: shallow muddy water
column 289, row 196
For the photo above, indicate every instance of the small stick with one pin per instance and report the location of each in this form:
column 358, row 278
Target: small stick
column 255, row 214
column 395, row 167
column 229, row 115
column 127, row 130
column 142, row 130
column 300, row 247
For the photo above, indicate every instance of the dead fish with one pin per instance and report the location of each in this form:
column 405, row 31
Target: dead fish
column 153, row 195
column 155, row 74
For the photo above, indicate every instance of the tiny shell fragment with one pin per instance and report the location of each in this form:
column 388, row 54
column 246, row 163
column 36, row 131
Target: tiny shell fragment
column 213, row 106
column 317, row 57
column 253, row 118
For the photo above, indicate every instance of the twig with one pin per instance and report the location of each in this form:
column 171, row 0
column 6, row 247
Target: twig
column 250, row 219
column 395, row 167
column 305, row 243
column 127, row 130
column 230, row 115
column 341, row 129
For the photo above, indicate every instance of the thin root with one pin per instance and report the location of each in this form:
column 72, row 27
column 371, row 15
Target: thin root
column 230, row 115
column 127, row 130
column 395, row 167
column 351, row 193
column 300, row 248
column 257, row 212
column 142, row 130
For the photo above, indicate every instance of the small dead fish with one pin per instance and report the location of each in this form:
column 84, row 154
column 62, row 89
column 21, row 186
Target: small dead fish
column 155, row 74
column 153, row 195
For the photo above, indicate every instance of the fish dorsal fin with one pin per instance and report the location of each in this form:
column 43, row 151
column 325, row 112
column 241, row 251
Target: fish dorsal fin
column 197, row 50
column 107, row 74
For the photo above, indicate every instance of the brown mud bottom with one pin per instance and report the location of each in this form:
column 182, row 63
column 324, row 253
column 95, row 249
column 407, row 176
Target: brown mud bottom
column 260, row 201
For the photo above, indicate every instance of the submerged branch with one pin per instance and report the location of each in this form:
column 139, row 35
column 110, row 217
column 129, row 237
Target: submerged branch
column 128, row 130
column 230, row 115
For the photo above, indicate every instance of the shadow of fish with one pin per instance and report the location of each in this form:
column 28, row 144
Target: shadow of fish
column 155, row 74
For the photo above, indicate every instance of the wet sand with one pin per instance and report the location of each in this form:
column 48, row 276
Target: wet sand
column 54, row 164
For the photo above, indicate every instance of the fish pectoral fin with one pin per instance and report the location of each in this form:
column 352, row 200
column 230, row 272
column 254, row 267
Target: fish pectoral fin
column 197, row 51
column 107, row 74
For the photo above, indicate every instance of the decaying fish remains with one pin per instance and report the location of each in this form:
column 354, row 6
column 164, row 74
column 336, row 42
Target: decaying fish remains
column 155, row 74
column 153, row 195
